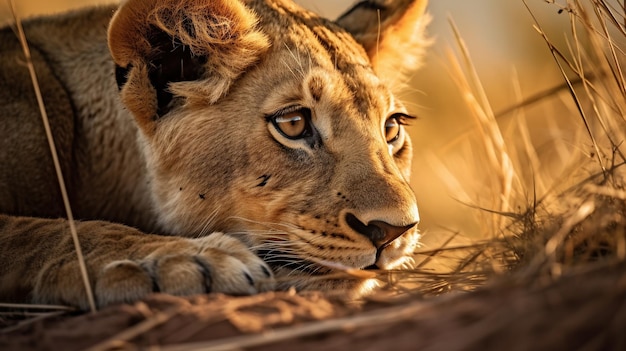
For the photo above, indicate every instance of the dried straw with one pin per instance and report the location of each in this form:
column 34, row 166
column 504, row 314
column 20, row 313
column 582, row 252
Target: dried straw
column 55, row 157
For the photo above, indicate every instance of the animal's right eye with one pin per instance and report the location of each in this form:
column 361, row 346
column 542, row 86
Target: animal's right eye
column 293, row 124
column 392, row 129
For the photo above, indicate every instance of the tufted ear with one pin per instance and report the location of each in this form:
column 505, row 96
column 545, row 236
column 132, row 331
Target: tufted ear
column 391, row 31
column 170, row 49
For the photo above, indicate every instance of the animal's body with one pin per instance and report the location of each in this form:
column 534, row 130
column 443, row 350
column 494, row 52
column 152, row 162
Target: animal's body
column 260, row 144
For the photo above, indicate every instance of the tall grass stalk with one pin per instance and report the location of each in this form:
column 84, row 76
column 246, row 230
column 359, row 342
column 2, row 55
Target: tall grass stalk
column 55, row 158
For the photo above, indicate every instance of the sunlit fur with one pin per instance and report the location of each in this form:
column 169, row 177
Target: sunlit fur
column 212, row 163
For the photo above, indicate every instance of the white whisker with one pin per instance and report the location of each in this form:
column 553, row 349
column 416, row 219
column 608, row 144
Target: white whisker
column 297, row 59
column 289, row 68
column 206, row 229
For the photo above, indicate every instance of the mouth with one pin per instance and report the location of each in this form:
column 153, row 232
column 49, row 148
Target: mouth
column 314, row 267
column 278, row 260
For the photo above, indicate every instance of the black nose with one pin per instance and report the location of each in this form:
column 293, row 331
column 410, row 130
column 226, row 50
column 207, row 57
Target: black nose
column 379, row 232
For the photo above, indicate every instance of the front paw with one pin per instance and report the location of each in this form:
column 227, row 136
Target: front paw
column 216, row 263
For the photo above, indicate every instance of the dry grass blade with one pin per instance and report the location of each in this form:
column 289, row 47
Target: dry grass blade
column 556, row 54
column 615, row 67
column 55, row 158
column 36, row 307
column 555, row 241
column 536, row 98
column 607, row 64
column 607, row 191
column 375, row 318
column 504, row 175
column 431, row 255
column 30, row 321
column 118, row 340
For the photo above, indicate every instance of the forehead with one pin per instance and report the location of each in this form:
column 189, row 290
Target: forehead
column 322, row 55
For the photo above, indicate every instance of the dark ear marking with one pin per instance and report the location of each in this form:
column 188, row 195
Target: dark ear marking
column 121, row 75
column 364, row 5
column 171, row 62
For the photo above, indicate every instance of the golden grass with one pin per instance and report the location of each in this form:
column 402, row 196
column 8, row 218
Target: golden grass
column 540, row 218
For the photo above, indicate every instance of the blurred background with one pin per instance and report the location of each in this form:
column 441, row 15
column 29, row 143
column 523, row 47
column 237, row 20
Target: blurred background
column 453, row 172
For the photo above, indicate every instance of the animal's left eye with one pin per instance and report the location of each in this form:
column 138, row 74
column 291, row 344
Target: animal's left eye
column 293, row 125
column 392, row 129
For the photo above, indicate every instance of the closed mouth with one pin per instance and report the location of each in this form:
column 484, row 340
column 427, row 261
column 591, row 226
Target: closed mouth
column 274, row 260
column 308, row 266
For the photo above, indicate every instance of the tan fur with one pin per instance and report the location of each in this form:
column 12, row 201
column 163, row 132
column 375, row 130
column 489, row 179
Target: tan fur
column 235, row 203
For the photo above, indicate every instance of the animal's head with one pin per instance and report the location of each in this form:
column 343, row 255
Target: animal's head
column 264, row 120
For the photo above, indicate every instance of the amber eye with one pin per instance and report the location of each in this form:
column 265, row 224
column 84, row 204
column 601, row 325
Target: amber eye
column 392, row 129
column 293, row 125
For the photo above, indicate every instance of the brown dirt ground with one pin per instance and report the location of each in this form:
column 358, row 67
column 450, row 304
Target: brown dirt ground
column 582, row 311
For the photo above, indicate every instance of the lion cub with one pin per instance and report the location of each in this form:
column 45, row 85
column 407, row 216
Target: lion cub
column 258, row 143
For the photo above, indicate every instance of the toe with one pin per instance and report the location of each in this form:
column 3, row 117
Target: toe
column 122, row 281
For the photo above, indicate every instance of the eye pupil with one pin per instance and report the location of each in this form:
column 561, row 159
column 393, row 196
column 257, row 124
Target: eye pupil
column 392, row 130
column 293, row 125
